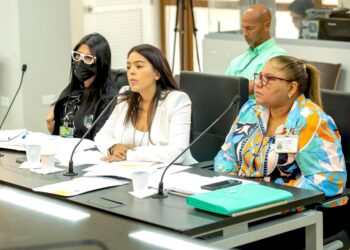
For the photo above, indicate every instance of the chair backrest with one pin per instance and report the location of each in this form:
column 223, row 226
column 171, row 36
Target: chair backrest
column 329, row 74
column 336, row 104
column 120, row 78
column 177, row 79
column 210, row 96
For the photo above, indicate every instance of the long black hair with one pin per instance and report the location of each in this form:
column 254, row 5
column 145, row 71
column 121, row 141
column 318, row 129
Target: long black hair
column 165, row 84
column 100, row 48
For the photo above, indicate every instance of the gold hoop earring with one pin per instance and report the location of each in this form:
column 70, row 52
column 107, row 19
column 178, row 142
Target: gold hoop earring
column 289, row 95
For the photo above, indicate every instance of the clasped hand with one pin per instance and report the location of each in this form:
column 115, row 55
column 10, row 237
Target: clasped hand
column 118, row 152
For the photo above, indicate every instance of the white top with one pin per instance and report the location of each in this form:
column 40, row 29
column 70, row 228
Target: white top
column 170, row 131
column 133, row 136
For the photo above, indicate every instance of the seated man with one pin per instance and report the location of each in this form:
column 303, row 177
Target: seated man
column 255, row 24
column 298, row 12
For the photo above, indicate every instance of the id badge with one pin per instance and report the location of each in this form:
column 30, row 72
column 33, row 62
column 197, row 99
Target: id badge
column 66, row 132
column 286, row 144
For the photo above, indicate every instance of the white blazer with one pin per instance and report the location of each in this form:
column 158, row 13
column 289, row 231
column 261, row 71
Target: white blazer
column 170, row 131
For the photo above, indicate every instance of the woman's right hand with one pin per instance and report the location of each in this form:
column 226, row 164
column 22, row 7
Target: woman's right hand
column 50, row 119
column 118, row 152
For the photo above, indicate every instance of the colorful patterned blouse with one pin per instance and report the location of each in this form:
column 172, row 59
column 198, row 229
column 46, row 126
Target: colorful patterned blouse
column 318, row 164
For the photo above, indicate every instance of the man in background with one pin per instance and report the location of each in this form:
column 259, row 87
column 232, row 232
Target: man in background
column 298, row 11
column 255, row 25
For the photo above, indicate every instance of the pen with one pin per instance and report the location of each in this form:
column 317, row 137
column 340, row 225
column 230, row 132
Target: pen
column 93, row 148
column 155, row 170
column 25, row 135
column 118, row 202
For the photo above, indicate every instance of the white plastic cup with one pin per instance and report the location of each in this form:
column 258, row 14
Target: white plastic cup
column 48, row 160
column 33, row 153
column 140, row 181
column 47, row 155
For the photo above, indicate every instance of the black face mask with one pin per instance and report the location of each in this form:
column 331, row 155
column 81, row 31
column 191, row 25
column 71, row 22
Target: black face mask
column 84, row 71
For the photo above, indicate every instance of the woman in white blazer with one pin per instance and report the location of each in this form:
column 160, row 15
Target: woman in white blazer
column 152, row 118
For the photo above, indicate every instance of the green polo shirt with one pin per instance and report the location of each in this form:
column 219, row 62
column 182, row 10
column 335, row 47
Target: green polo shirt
column 254, row 59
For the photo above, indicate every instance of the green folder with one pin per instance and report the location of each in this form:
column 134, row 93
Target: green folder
column 238, row 198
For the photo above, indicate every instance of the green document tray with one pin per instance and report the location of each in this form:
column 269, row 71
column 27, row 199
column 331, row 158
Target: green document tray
column 238, row 198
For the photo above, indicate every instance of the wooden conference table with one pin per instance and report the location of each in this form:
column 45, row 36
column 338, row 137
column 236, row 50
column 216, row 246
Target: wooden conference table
column 114, row 214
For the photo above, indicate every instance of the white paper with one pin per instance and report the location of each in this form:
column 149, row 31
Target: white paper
column 125, row 169
column 19, row 142
column 47, row 170
column 147, row 193
column 40, row 168
column 79, row 158
column 27, row 165
column 79, row 185
column 8, row 135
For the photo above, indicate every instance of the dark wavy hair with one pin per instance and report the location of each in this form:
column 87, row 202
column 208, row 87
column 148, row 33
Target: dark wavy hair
column 300, row 6
column 100, row 48
column 165, row 84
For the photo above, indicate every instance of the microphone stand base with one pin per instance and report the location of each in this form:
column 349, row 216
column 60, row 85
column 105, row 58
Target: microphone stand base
column 70, row 174
column 159, row 196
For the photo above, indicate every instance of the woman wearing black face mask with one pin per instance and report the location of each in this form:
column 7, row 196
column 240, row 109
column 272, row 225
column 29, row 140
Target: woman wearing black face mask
column 88, row 93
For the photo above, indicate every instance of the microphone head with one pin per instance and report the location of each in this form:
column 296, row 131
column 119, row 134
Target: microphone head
column 24, row 67
column 236, row 99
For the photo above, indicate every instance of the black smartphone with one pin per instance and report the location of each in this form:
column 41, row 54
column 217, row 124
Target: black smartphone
column 221, row 184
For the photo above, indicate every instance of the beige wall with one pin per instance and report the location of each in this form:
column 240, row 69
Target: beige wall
column 77, row 20
column 37, row 33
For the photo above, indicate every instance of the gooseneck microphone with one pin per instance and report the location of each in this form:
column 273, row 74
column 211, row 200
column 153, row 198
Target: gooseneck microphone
column 70, row 171
column 161, row 194
column 24, row 68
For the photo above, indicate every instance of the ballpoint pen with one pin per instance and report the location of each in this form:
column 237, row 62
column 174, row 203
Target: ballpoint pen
column 25, row 135
column 158, row 168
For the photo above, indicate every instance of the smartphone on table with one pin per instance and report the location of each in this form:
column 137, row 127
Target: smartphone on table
column 221, row 184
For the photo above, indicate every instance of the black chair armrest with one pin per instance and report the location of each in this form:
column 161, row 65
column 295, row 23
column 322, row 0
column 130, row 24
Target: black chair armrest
column 205, row 165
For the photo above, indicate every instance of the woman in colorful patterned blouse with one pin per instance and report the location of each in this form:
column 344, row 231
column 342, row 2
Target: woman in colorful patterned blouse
column 284, row 136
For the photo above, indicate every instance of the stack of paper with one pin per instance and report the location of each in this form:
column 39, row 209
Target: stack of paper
column 9, row 135
column 27, row 137
column 125, row 169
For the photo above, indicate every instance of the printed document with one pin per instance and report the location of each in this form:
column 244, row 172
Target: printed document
column 79, row 185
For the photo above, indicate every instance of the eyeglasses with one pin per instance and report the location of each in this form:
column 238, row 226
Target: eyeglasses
column 88, row 59
column 263, row 80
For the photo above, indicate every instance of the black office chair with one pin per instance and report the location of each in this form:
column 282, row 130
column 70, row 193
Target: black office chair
column 329, row 74
column 336, row 104
column 210, row 96
column 120, row 79
column 177, row 79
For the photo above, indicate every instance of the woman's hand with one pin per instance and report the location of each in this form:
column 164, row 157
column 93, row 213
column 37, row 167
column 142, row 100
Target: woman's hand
column 118, row 152
column 50, row 119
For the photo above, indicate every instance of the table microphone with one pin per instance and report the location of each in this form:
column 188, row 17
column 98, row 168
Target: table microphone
column 70, row 171
column 24, row 68
column 161, row 194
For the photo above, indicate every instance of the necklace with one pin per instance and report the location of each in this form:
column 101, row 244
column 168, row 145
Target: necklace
column 134, row 140
column 134, row 135
column 130, row 129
